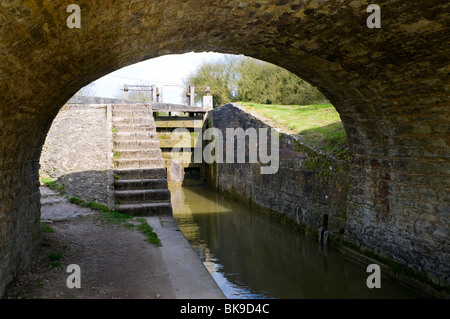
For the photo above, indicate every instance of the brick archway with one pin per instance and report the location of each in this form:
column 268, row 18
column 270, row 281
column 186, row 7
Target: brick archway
column 390, row 86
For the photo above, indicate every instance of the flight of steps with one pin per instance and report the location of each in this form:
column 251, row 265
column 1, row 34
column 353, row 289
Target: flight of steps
column 140, row 179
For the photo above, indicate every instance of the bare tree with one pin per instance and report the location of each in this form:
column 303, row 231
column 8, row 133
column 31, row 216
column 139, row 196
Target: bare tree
column 88, row 90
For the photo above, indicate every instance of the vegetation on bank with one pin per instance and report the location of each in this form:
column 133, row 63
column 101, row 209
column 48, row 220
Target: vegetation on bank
column 54, row 258
column 105, row 215
column 318, row 125
column 50, row 183
column 239, row 78
column 113, row 217
column 147, row 230
column 276, row 94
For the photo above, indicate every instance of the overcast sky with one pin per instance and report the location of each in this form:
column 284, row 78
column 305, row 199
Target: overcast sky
column 168, row 69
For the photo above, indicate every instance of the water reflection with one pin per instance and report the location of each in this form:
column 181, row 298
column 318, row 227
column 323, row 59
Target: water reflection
column 251, row 255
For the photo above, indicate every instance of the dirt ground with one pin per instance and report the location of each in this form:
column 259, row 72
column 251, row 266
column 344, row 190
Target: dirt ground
column 115, row 261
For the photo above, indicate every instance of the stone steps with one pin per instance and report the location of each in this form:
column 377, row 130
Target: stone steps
column 134, row 145
column 131, row 127
column 138, row 163
column 133, row 136
column 140, row 179
column 138, row 153
column 118, row 120
column 143, row 195
column 129, row 113
column 145, row 173
column 135, row 184
column 145, row 209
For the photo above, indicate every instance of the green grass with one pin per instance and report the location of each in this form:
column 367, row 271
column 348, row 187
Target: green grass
column 52, row 184
column 49, row 182
column 47, row 229
column 112, row 217
column 54, row 259
column 147, row 230
column 318, row 125
column 106, row 216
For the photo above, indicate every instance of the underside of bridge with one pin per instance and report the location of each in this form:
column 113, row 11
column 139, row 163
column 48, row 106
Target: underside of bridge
column 390, row 86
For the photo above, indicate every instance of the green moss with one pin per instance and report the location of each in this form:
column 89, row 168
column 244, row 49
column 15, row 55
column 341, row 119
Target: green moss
column 301, row 148
column 320, row 162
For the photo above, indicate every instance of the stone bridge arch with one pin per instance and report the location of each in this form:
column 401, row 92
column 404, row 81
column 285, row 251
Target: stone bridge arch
column 390, row 86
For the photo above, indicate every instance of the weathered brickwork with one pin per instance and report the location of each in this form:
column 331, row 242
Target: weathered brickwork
column 390, row 85
column 313, row 191
column 308, row 190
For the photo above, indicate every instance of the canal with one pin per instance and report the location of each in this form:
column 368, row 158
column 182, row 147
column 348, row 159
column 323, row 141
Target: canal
column 251, row 255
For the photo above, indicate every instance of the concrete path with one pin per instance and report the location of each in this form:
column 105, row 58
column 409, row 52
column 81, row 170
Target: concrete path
column 190, row 278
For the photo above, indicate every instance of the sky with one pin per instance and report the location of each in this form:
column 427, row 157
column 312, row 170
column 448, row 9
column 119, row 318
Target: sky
column 168, row 69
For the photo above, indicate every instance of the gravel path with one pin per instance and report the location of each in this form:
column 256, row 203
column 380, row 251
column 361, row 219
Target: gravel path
column 115, row 261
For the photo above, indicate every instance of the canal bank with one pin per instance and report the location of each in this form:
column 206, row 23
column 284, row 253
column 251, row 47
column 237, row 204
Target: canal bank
column 252, row 255
column 326, row 198
column 188, row 276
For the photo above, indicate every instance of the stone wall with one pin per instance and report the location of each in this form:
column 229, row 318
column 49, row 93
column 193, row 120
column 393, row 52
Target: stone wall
column 309, row 189
column 389, row 85
column 75, row 152
column 316, row 192
column 19, row 238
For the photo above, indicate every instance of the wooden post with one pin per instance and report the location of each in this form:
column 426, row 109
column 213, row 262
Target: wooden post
column 192, row 95
column 208, row 99
column 154, row 96
column 208, row 102
column 125, row 91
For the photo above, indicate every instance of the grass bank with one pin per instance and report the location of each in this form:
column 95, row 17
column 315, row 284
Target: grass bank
column 318, row 125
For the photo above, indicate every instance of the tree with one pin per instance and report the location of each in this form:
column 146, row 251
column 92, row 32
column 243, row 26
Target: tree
column 218, row 76
column 238, row 78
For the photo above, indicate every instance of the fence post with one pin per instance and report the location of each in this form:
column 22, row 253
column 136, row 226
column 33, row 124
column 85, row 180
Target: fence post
column 191, row 95
column 154, row 94
column 125, row 91
column 158, row 96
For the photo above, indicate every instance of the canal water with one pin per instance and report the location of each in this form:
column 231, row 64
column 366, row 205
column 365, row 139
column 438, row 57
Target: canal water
column 251, row 255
